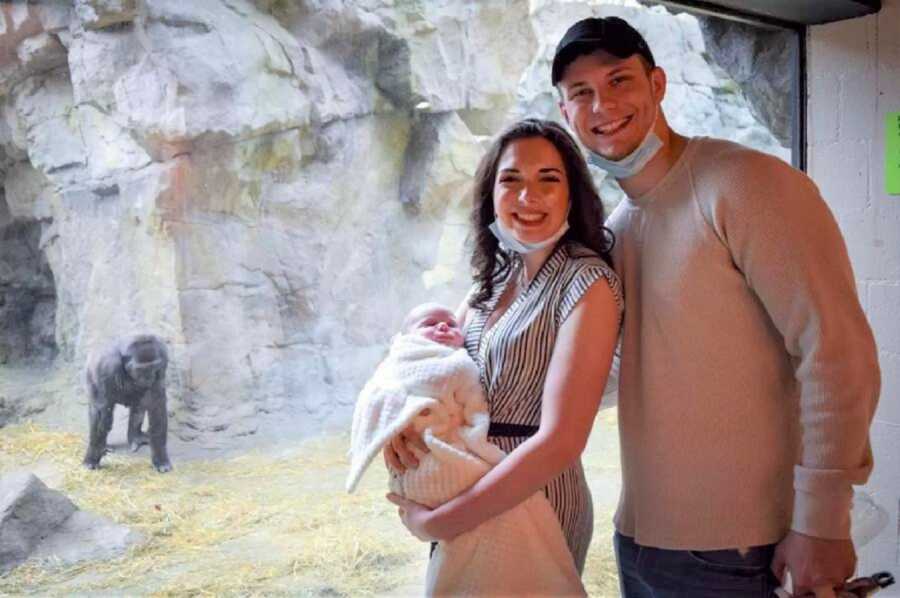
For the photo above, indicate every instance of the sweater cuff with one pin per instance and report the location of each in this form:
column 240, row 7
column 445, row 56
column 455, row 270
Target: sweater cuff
column 822, row 515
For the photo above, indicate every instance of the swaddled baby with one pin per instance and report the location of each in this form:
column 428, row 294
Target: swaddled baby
column 428, row 381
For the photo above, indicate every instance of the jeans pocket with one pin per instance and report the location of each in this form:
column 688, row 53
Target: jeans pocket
column 706, row 574
column 750, row 563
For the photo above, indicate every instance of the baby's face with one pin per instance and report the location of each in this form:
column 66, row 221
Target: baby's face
column 438, row 325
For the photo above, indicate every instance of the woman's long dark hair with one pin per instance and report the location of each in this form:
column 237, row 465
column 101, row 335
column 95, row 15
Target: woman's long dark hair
column 586, row 215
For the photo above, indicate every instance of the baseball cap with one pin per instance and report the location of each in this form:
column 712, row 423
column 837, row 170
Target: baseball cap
column 611, row 34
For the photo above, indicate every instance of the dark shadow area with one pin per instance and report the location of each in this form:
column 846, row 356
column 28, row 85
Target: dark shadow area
column 27, row 296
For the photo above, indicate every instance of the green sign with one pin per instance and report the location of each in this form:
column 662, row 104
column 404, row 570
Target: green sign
column 892, row 153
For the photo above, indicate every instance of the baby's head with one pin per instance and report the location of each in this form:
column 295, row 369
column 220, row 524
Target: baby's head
column 434, row 322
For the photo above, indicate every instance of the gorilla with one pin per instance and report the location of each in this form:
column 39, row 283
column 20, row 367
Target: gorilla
column 132, row 373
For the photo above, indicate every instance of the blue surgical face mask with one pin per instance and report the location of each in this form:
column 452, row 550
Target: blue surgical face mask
column 510, row 243
column 634, row 162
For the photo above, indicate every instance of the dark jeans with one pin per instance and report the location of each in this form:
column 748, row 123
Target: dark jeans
column 646, row 572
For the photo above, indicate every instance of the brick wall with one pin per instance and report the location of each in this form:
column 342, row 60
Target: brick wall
column 853, row 81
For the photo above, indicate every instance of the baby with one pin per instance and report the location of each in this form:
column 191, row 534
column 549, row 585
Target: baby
column 436, row 323
column 428, row 381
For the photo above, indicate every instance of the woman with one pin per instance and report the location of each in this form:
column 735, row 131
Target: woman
column 541, row 322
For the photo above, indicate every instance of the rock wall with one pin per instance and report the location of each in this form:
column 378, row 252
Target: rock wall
column 271, row 185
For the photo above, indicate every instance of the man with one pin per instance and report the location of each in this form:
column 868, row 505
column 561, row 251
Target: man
column 749, row 373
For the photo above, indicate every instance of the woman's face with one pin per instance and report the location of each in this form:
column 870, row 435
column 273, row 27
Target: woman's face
column 531, row 191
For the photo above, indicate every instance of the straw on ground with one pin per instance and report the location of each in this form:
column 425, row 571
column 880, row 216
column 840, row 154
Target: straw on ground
column 258, row 524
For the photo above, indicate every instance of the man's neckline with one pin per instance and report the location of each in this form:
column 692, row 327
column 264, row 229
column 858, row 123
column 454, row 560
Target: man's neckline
column 679, row 164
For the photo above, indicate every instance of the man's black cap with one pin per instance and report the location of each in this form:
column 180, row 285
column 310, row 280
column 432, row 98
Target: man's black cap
column 611, row 34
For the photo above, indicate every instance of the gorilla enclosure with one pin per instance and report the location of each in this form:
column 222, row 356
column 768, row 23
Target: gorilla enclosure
column 268, row 186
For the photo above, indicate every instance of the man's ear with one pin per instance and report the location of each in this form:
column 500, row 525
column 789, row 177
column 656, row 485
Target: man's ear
column 563, row 111
column 658, row 83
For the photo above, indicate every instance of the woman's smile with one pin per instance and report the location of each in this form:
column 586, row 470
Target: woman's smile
column 530, row 219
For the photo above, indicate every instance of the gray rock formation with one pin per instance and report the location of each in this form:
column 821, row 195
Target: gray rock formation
column 756, row 60
column 268, row 184
column 760, row 61
column 102, row 14
column 40, row 523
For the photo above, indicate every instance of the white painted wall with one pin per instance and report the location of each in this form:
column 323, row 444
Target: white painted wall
column 854, row 80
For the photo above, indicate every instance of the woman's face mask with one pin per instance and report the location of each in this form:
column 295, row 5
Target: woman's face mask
column 509, row 242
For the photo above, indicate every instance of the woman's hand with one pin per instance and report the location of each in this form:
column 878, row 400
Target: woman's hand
column 416, row 517
column 398, row 455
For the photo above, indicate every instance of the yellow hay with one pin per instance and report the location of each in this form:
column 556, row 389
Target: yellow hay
column 245, row 526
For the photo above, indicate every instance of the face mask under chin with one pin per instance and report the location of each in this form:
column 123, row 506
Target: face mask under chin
column 634, row 162
column 509, row 242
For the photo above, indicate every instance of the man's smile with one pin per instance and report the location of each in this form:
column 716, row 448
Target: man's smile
column 612, row 127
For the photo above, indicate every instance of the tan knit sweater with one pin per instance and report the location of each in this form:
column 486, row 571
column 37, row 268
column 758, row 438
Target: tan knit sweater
column 749, row 374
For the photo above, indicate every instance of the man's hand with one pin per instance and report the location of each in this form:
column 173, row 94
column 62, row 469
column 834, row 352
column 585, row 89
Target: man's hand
column 814, row 562
column 397, row 453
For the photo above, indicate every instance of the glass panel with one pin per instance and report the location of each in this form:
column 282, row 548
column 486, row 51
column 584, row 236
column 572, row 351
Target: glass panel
column 269, row 187
column 727, row 79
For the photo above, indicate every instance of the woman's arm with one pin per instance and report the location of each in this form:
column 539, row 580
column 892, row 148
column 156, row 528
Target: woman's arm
column 572, row 392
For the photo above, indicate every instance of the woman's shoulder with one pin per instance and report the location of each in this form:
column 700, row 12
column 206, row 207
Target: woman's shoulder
column 583, row 268
column 580, row 257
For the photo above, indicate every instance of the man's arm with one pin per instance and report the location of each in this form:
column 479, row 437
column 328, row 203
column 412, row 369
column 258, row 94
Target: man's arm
column 784, row 239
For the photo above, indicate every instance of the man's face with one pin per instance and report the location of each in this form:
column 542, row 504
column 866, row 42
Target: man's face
column 438, row 325
column 611, row 103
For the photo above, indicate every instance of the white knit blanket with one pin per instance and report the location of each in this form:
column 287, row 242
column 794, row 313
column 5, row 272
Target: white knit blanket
column 521, row 552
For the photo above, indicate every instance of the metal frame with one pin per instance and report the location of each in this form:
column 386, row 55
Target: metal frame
column 714, row 10
column 799, row 91
column 800, row 101
column 863, row 7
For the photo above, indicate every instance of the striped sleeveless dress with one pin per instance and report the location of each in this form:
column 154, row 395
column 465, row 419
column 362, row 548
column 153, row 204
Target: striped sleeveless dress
column 513, row 357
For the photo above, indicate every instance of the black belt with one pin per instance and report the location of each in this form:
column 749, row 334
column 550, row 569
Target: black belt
column 511, row 430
